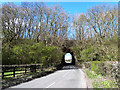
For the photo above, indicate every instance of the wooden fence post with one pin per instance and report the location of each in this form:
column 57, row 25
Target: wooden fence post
column 42, row 68
column 33, row 68
column 13, row 71
column 25, row 69
column 3, row 74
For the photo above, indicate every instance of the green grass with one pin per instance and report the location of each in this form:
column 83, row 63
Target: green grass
column 108, row 84
column 90, row 74
column 98, row 80
column 16, row 73
column 95, row 85
column 95, row 66
column 7, row 73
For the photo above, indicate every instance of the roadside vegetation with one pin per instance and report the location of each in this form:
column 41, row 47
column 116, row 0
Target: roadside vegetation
column 31, row 53
column 34, row 33
column 99, row 81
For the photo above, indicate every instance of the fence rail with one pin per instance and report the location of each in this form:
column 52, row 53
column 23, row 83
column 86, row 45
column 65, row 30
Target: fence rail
column 8, row 70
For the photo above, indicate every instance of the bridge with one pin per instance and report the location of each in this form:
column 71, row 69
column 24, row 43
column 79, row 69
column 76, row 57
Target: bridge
column 67, row 50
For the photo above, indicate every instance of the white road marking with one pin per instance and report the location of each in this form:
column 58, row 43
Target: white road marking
column 50, row 85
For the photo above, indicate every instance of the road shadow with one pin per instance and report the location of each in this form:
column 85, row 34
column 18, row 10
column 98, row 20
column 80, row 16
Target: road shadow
column 69, row 67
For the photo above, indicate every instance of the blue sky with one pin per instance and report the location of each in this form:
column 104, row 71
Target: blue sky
column 74, row 7
column 79, row 7
column 59, row 0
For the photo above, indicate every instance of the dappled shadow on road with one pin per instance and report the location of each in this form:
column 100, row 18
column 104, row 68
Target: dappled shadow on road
column 69, row 67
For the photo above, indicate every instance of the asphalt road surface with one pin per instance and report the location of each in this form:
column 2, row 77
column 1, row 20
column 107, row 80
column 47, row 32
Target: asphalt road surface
column 68, row 77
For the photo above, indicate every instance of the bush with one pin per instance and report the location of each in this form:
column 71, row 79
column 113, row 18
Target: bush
column 6, row 55
column 31, row 53
column 90, row 53
column 94, row 66
column 76, row 51
column 87, row 54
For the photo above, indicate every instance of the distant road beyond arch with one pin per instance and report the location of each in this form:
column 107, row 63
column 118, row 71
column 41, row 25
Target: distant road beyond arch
column 67, row 56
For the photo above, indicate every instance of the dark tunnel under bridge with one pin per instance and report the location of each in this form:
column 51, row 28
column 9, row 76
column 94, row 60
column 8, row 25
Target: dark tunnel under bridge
column 67, row 50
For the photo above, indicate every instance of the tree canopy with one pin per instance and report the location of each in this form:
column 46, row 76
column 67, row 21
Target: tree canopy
column 36, row 33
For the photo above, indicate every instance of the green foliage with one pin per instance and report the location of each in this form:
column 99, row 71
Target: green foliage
column 90, row 74
column 98, row 80
column 95, row 85
column 7, row 55
column 93, row 53
column 88, row 54
column 95, row 66
column 104, row 84
column 76, row 51
column 29, row 53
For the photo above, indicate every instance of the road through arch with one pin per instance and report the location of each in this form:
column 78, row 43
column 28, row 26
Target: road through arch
column 68, row 57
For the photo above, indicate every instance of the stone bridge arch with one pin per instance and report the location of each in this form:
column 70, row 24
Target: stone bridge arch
column 67, row 50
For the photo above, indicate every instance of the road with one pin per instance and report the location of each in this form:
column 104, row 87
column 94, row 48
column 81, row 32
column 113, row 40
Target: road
column 68, row 77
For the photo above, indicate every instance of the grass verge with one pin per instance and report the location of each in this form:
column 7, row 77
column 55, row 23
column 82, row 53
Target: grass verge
column 99, row 81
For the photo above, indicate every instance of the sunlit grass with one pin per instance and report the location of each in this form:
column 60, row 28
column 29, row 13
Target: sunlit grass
column 16, row 73
column 98, row 80
column 90, row 74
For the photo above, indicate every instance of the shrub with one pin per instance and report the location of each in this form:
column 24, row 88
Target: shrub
column 94, row 66
column 88, row 54
column 29, row 53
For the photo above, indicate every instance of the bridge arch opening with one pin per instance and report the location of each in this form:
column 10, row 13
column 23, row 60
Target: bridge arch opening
column 68, row 57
